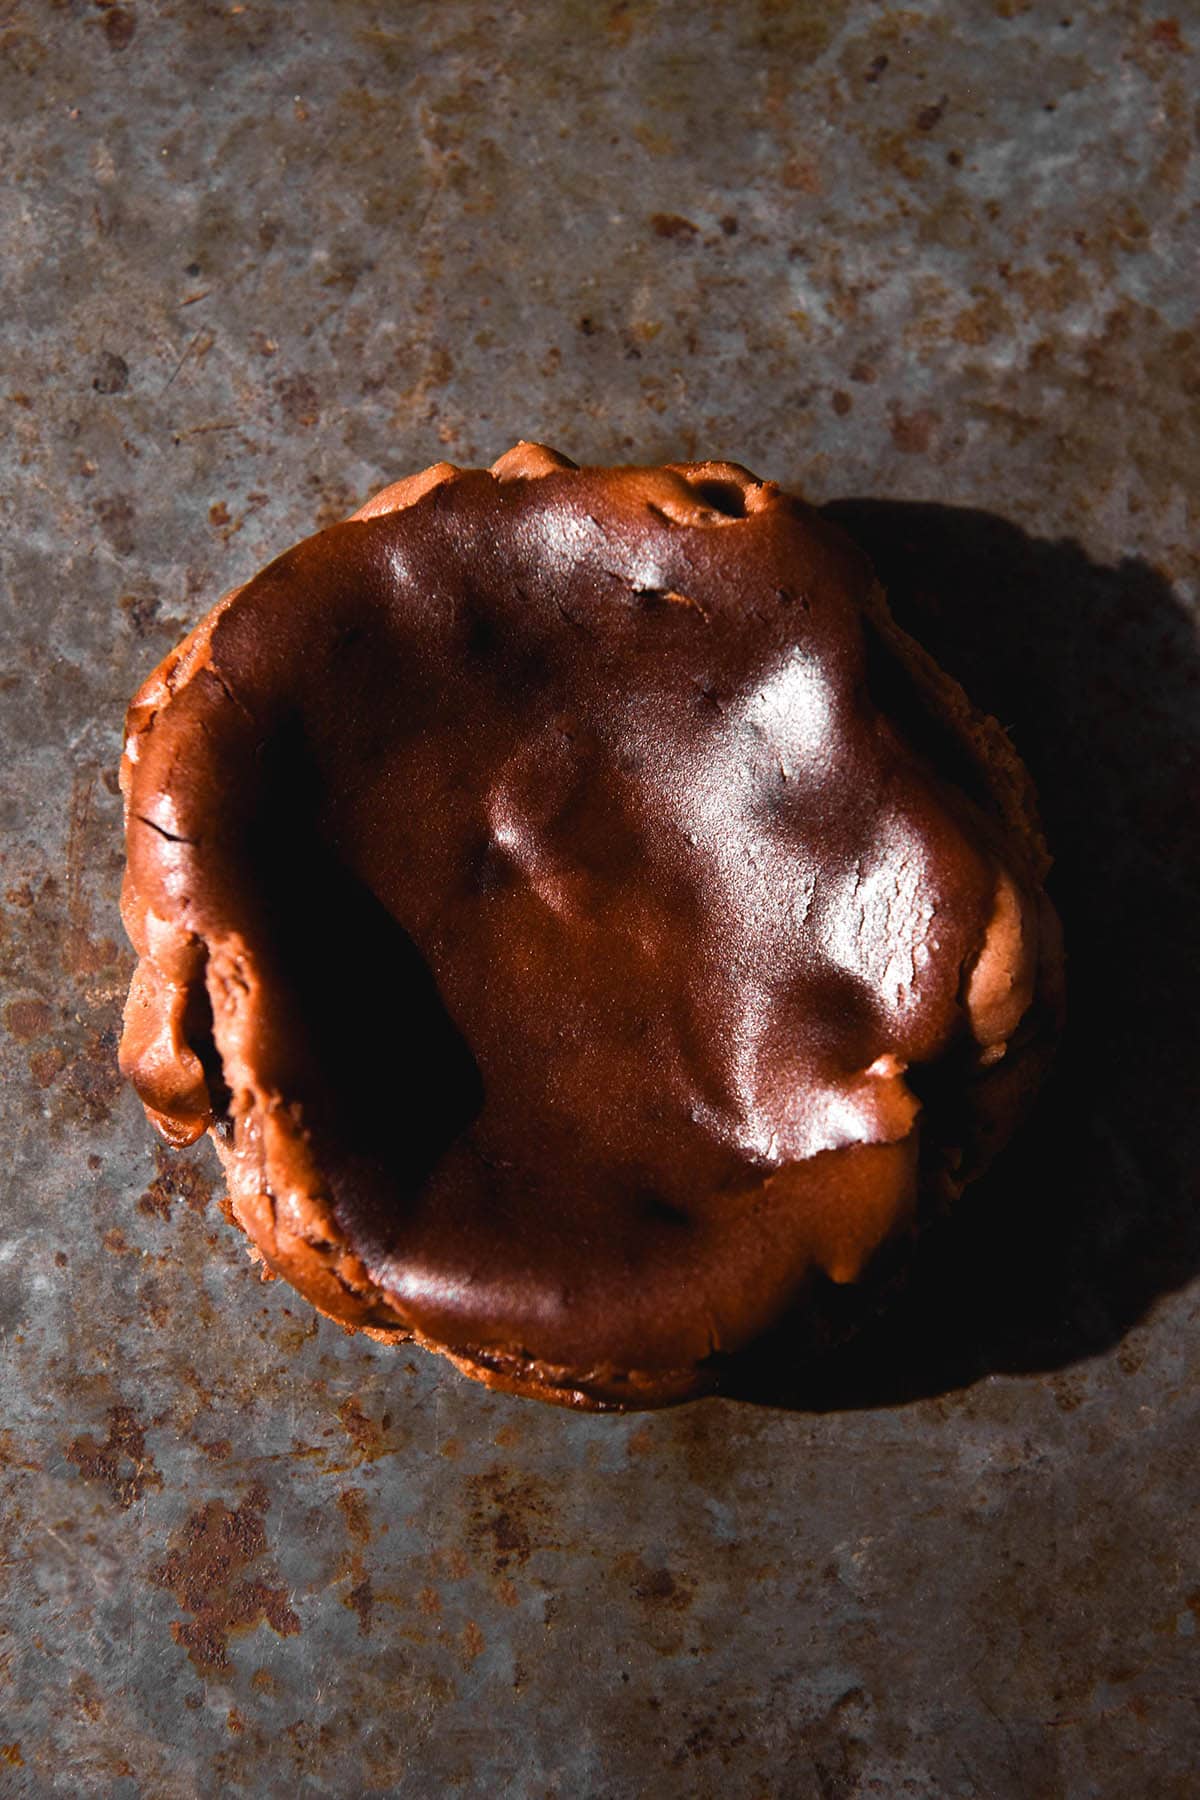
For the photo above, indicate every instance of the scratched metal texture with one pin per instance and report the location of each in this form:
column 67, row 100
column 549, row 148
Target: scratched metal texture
column 260, row 259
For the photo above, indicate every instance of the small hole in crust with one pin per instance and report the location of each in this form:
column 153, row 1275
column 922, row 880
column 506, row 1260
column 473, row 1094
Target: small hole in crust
column 727, row 497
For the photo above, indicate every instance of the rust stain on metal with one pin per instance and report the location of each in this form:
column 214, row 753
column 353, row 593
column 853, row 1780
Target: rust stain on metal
column 178, row 1177
column 353, row 1503
column 120, row 25
column 507, row 1514
column 121, row 1463
column 91, row 1078
column 672, row 225
column 1166, row 32
column 25, row 1019
column 929, row 117
column 206, row 1572
column 657, row 1587
column 365, row 1433
column 360, row 1596
column 13, row 1455
column 913, row 432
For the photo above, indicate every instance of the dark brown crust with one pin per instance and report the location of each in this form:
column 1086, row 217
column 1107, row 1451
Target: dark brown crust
column 301, row 1237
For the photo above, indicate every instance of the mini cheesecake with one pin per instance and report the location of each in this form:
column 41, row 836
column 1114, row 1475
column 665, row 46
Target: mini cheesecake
column 588, row 928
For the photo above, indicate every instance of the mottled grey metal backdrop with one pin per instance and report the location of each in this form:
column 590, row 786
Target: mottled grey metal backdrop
column 260, row 259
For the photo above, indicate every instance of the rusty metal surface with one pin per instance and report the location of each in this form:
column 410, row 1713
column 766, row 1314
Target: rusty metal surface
column 260, row 259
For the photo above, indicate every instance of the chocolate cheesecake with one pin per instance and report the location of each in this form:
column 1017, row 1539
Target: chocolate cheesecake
column 588, row 928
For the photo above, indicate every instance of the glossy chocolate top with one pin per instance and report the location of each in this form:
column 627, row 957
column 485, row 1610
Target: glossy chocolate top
column 571, row 912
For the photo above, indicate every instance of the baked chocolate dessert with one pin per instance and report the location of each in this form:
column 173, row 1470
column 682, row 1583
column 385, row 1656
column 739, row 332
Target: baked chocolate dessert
column 587, row 926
